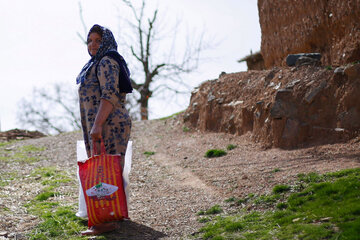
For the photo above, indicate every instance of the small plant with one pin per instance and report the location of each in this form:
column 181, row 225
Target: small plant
column 186, row 129
column 276, row 170
column 240, row 201
column 149, row 153
column 45, row 196
column 328, row 68
column 281, row 188
column 215, row 153
column 213, row 210
column 231, row 147
column 204, row 220
column 232, row 199
column 202, row 212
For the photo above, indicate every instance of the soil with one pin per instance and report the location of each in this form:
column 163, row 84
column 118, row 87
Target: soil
column 169, row 188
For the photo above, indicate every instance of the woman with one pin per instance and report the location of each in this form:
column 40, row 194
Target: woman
column 102, row 101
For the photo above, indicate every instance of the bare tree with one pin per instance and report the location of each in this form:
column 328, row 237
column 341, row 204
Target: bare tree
column 163, row 65
column 50, row 110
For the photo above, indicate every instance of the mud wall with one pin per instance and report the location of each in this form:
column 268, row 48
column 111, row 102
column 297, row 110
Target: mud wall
column 330, row 27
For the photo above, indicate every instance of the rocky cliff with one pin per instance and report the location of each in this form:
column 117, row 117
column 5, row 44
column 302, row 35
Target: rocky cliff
column 330, row 27
column 282, row 107
column 290, row 107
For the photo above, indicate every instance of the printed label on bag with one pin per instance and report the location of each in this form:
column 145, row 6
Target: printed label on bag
column 101, row 190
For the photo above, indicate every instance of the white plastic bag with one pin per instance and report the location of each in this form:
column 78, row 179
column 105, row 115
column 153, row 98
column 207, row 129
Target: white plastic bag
column 82, row 157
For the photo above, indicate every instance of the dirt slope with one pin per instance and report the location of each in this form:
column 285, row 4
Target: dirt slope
column 171, row 186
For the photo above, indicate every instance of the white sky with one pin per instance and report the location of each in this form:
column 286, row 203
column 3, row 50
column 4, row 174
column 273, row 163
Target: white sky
column 39, row 44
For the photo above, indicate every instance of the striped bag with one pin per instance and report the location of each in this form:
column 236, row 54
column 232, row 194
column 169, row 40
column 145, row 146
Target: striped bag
column 102, row 184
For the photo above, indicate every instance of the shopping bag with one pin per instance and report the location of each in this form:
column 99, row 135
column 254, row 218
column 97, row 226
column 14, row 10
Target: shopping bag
column 102, row 184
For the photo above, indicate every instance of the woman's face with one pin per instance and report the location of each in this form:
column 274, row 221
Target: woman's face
column 93, row 43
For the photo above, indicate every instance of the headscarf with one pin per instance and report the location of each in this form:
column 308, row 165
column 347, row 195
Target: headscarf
column 108, row 43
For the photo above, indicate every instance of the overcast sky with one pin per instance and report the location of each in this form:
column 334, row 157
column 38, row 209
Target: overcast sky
column 39, row 42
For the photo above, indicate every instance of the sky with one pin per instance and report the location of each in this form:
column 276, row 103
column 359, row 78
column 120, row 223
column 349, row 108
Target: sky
column 40, row 46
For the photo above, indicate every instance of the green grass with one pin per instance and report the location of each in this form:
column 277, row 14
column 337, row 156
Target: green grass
column 231, row 147
column 172, row 115
column 325, row 207
column 214, row 153
column 7, row 177
column 186, row 129
column 328, row 67
column 148, row 153
column 58, row 220
column 24, row 154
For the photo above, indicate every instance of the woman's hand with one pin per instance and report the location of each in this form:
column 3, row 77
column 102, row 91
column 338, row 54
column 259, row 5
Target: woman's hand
column 95, row 132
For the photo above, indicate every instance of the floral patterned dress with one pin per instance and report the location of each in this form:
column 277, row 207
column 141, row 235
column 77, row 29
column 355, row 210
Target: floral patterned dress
column 117, row 127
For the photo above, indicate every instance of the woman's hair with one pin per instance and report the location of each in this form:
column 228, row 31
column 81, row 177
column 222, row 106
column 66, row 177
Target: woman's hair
column 95, row 29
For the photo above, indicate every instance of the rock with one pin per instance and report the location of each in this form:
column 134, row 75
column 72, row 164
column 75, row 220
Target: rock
column 281, row 109
column 302, row 61
column 292, row 59
column 310, row 96
column 222, row 74
column 352, row 72
column 3, row 234
column 292, row 84
column 339, row 70
column 283, row 94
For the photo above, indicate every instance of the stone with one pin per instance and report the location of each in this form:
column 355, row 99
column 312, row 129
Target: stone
column 291, row 59
column 292, row 84
column 281, row 109
column 302, row 61
column 339, row 70
column 283, row 94
column 352, row 72
column 310, row 96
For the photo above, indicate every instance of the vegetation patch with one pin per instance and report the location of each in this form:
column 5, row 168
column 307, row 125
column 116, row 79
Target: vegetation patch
column 24, row 154
column 215, row 153
column 147, row 153
column 325, row 207
column 231, row 147
column 7, row 177
column 58, row 220
column 172, row 115
column 186, row 129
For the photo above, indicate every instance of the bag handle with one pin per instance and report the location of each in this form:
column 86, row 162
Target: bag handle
column 102, row 148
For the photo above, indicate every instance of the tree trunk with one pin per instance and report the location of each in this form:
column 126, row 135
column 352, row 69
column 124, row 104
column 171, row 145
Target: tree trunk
column 144, row 100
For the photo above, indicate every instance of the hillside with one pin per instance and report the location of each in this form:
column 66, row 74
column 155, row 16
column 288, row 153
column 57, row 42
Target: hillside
column 168, row 188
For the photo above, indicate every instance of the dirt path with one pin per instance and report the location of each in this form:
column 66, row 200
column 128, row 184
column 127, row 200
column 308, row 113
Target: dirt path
column 168, row 188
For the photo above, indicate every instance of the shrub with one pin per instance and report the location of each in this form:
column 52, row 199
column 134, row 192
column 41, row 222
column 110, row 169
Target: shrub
column 215, row 153
column 231, row 147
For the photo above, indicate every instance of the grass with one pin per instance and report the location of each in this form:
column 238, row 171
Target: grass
column 215, row 153
column 58, row 220
column 172, row 115
column 328, row 67
column 24, row 154
column 186, row 129
column 148, row 153
column 231, row 147
column 324, row 207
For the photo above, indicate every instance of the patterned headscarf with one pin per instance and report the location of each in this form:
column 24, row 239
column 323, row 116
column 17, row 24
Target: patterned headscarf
column 108, row 43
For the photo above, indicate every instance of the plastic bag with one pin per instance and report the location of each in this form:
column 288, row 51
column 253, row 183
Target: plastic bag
column 103, row 186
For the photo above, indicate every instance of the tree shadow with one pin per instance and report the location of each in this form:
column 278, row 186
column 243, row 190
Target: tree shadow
column 130, row 230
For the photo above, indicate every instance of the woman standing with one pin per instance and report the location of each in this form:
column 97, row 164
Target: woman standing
column 102, row 100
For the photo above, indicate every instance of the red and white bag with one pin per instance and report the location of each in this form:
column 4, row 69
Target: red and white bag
column 103, row 188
